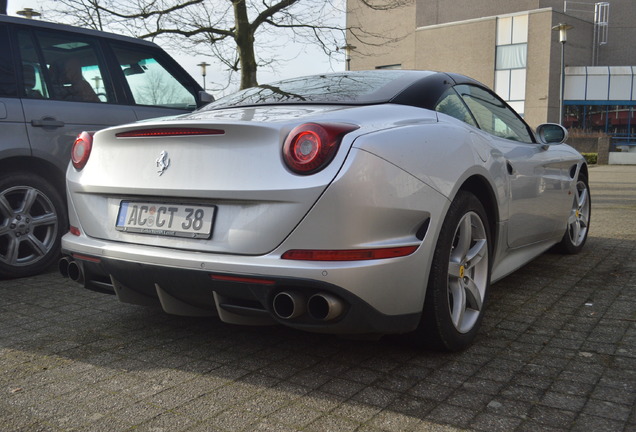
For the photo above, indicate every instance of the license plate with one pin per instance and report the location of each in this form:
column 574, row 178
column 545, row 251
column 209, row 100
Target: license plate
column 171, row 220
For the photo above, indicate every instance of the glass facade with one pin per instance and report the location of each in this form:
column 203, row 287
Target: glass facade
column 619, row 121
column 601, row 100
column 511, row 60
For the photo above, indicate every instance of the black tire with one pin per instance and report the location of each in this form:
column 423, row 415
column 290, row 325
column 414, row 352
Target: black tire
column 33, row 218
column 578, row 221
column 459, row 277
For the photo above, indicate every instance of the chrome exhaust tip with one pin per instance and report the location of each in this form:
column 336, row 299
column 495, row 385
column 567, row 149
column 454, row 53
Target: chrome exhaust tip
column 75, row 272
column 324, row 307
column 288, row 305
column 62, row 266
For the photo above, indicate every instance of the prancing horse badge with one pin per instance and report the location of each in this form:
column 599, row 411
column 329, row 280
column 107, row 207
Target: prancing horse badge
column 163, row 162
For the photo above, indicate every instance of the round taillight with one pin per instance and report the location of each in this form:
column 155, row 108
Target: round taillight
column 81, row 150
column 310, row 147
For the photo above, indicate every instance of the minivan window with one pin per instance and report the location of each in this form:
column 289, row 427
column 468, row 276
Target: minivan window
column 7, row 72
column 32, row 71
column 63, row 67
column 150, row 82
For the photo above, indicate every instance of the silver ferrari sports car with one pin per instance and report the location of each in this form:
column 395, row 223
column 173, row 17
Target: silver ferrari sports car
column 359, row 203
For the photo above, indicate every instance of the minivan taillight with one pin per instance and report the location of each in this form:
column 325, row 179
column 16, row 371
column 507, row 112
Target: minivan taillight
column 311, row 146
column 81, row 150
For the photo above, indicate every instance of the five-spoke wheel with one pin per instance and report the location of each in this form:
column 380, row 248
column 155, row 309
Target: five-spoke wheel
column 459, row 278
column 468, row 272
column 579, row 220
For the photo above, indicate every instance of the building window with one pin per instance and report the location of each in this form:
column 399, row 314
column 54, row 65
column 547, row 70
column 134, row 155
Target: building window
column 511, row 60
column 393, row 66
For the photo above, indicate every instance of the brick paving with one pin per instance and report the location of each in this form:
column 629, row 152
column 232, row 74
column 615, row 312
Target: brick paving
column 557, row 351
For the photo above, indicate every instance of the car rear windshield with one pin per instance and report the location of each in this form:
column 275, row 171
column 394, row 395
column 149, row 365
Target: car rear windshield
column 360, row 87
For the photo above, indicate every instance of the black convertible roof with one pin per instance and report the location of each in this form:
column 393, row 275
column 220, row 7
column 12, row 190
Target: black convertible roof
column 406, row 87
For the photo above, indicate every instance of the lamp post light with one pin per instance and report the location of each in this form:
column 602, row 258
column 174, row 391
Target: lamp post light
column 29, row 13
column 203, row 66
column 347, row 49
column 562, row 28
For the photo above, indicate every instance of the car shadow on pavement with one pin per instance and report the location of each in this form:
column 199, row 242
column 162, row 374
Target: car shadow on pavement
column 556, row 348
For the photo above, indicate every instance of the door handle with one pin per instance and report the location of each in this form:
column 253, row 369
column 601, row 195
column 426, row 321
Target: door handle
column 47, row 122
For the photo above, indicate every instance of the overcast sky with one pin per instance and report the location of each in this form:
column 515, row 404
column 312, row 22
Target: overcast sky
column 306, row 59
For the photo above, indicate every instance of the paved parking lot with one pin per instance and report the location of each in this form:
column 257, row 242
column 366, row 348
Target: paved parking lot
column 557, row 352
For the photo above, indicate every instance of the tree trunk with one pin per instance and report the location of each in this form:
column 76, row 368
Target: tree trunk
column 245, row 45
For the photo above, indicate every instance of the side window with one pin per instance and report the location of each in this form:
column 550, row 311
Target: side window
column 451, row 104
column 493, row 115
column 8, row 83
column 150, row 82
column 33, row 83
column 63, row 67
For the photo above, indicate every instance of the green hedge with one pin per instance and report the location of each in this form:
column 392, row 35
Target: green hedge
column 591, row 158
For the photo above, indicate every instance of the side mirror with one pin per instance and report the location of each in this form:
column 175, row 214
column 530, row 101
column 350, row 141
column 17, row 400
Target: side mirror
column 205, row 98
column 551, row 133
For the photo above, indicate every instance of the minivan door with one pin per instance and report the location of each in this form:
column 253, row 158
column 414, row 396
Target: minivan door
column 15, row 141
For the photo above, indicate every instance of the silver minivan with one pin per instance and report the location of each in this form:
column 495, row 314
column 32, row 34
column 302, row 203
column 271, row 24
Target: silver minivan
column 56, row 81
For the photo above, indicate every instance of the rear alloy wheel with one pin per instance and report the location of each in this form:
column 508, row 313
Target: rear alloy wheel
column 459, row 278
column 579, row 219
column 32, row 220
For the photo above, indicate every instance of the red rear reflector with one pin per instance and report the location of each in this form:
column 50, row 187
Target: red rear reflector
column 74, row 230
column 86, row 258
column 251, row 280
column 169, row 131
column 348, row 255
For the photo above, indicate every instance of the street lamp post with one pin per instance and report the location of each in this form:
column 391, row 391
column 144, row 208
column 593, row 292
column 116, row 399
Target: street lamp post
column 97, row 80
column 562, row 28
column 347, row 49
column 203, row 66
column 28, row 13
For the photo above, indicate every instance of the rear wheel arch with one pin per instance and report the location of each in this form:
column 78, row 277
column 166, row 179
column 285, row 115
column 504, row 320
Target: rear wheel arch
column 37, row 166
column 481, row 188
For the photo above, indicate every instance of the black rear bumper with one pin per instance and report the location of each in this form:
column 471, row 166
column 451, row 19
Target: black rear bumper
column 239, row 299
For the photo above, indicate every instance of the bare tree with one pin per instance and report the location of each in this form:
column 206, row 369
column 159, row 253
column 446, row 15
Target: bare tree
column 242, row 34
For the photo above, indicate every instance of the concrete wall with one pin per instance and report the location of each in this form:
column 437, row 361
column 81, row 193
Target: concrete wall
column 593, row 145
column 383, row 37
column 619, row 50
column 431, row 12
column 542, row 78
column 467, row 48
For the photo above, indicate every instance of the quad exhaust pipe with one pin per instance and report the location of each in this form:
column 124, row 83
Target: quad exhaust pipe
column 288, row 305
column 321, row 307
column 324, row 307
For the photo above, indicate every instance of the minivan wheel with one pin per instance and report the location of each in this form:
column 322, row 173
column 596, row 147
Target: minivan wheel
column 32, row 221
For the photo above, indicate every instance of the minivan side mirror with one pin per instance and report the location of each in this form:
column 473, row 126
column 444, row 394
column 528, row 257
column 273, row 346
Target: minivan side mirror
column 134, row 69
column 551, row 133
column 205, row 98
